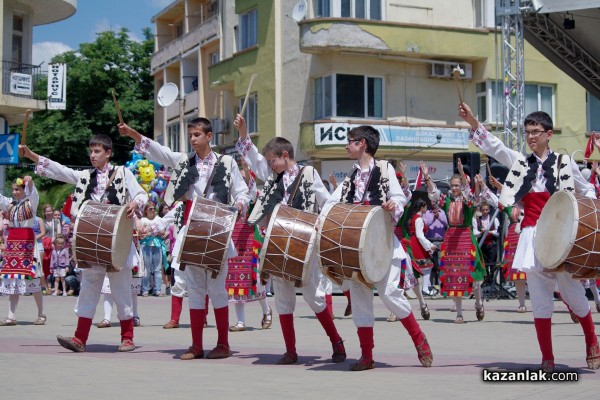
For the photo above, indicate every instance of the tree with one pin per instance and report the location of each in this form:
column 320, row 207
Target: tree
column 113, row 61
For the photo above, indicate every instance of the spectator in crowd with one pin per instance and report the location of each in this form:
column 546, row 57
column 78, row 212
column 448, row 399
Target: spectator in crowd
column 59, row 264
column 482, row 222
column 437, row 223
column 154, row 253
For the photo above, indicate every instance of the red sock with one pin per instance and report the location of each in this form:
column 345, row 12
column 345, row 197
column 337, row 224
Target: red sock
column 326, row 321
column 365, row 337
column 587, row 323
column 222, row 322
column 543, row 328
column 127, row 329
column 83, row 329
column 197, row 318
column 176, row 307
column 329, row 303
column 412, row 327
column 347, row 294
column 289, row 333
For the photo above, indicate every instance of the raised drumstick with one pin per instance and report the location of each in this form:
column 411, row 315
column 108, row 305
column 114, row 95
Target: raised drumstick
column 24, row 132
column 117, row 106
column 457, row 72
column 248, row 93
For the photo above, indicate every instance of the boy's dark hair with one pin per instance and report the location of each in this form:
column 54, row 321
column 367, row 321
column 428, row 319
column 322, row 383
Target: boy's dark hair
column 420, row 203
column 277, row 146
column 200, row 123
column 539, row 118
column 370, row 134
column 101, row 140
column 393, row 163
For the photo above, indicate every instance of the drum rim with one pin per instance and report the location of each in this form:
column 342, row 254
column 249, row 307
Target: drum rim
column 362, row 245
column 185, row 229
column 114, row 240
column 75, row 228
column 572, row 236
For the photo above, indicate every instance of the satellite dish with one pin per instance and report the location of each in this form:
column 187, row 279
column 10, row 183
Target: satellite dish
column 167, row 94
column 299, row 11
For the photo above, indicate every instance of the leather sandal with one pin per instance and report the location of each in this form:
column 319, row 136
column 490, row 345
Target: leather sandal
column 237, row 328
column 522, row 309
column 547, row 366
column 126, row 345
column 220, row 351
column 288, row 358
column 479, row 313
column 339, row 352
column 192, row 354
column 362, row 365
column 172, row 324
column 424, row 353
column 104, row 324
column 8, row 322
column 71, row 343
column 459, row 319
column 392, row 318
column 41, row 320
column 267, row 319
column 593, row 356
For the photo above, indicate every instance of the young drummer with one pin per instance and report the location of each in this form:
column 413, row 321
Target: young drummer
column 276, row 166
column 108, row 184
column 532, row 180
column 202, row 172
column 374, row 182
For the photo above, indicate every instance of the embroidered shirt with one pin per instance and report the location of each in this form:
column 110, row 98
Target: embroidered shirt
column 288, row 179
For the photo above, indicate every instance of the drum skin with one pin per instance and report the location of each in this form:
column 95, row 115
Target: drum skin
column 356, row 242
column 102, row 235
column 208, row 233
column 566, row 235
column 289, row 243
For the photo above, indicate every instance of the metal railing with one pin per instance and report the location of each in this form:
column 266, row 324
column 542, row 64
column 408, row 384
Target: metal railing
column 10, row 67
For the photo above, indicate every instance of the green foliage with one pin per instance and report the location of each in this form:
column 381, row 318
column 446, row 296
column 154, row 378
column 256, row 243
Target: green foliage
column 55, row 196
column 113, row 61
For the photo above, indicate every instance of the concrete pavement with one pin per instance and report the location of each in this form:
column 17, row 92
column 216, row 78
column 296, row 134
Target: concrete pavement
column 33, row 364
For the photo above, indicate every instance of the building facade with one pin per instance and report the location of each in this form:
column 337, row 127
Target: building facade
column 324, row 66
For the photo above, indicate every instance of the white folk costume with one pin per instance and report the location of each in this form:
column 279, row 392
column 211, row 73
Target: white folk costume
column 96, row 185
column 375, row 185
column 219, row 178
column 20, row 271
column 532, row 181
column 309, row 196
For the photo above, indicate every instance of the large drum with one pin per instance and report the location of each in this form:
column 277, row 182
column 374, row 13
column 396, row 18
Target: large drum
column 356, row 242
column 567, row 235
column 102, row 235
column 288, row 245
column 207, row 235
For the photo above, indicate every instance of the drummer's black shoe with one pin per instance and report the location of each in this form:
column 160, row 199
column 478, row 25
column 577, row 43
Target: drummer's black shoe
column 288, row 358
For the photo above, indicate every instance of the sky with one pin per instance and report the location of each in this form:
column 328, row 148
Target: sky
column 92, row 17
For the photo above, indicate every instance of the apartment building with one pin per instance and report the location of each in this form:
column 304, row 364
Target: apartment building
column 324, row 66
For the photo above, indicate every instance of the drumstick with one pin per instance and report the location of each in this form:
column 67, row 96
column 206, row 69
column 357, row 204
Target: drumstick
column 248, row 93
column 457, row 72
column 24, row 132
column 117, row 106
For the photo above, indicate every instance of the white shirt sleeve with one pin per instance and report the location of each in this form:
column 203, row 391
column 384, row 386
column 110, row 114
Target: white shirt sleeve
column 256, row 161
column 419, row 224
column 493, row 147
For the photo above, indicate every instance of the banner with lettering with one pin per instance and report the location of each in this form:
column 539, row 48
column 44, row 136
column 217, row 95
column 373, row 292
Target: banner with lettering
column 57, row 87
column 9, row 148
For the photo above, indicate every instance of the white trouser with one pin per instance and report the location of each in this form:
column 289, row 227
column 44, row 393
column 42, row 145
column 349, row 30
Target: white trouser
column 180, row 286
column 200, row 284
column 393, row 298
column 312, row 291
column 541, row 289
column 91, row 287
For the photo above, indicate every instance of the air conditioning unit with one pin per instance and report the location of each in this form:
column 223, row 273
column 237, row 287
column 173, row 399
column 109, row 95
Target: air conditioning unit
column 219, row 125
column 444, row 70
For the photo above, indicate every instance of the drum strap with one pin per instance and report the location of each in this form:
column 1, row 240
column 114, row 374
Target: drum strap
column 110, row 180
column 211, row 177
column 298, row 179
column 558, row 172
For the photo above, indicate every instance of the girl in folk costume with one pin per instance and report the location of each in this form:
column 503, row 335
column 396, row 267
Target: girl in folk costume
column 52, row 227
column 532, row 180
column 243, row 283
column 302, row 189
column 515, row 215
column 374, row 182
column 106, row 184
column 20, row 270
column 202, row 173
column 461, row 266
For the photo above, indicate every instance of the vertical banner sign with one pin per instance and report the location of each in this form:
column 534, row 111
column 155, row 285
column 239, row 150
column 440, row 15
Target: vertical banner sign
column 9, row 148
column 57, row 87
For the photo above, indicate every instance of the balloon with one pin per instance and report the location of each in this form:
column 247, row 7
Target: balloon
column 160, row 185
column 147, row 173
column 146, row 187
column 153, row 197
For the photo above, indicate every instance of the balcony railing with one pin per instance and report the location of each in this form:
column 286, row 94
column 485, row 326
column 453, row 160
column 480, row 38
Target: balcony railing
column 16, row 85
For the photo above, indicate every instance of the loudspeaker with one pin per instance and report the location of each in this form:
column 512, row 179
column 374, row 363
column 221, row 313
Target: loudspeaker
column 470, row 162
column 498, row 171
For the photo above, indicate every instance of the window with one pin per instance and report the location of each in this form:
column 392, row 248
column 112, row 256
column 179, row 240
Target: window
column 17, row 38
column 323, row 8
column 251, row 113
column 364, row 9
column 593, row 119
column 537, row 98
column 214, row 58
column 173, row 135
column 356, row 96
column 247, row 30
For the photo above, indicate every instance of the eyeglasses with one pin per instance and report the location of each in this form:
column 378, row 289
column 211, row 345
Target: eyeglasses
column 272, row 161
column 151, row 209
column 350, row 141
column 534, row 133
